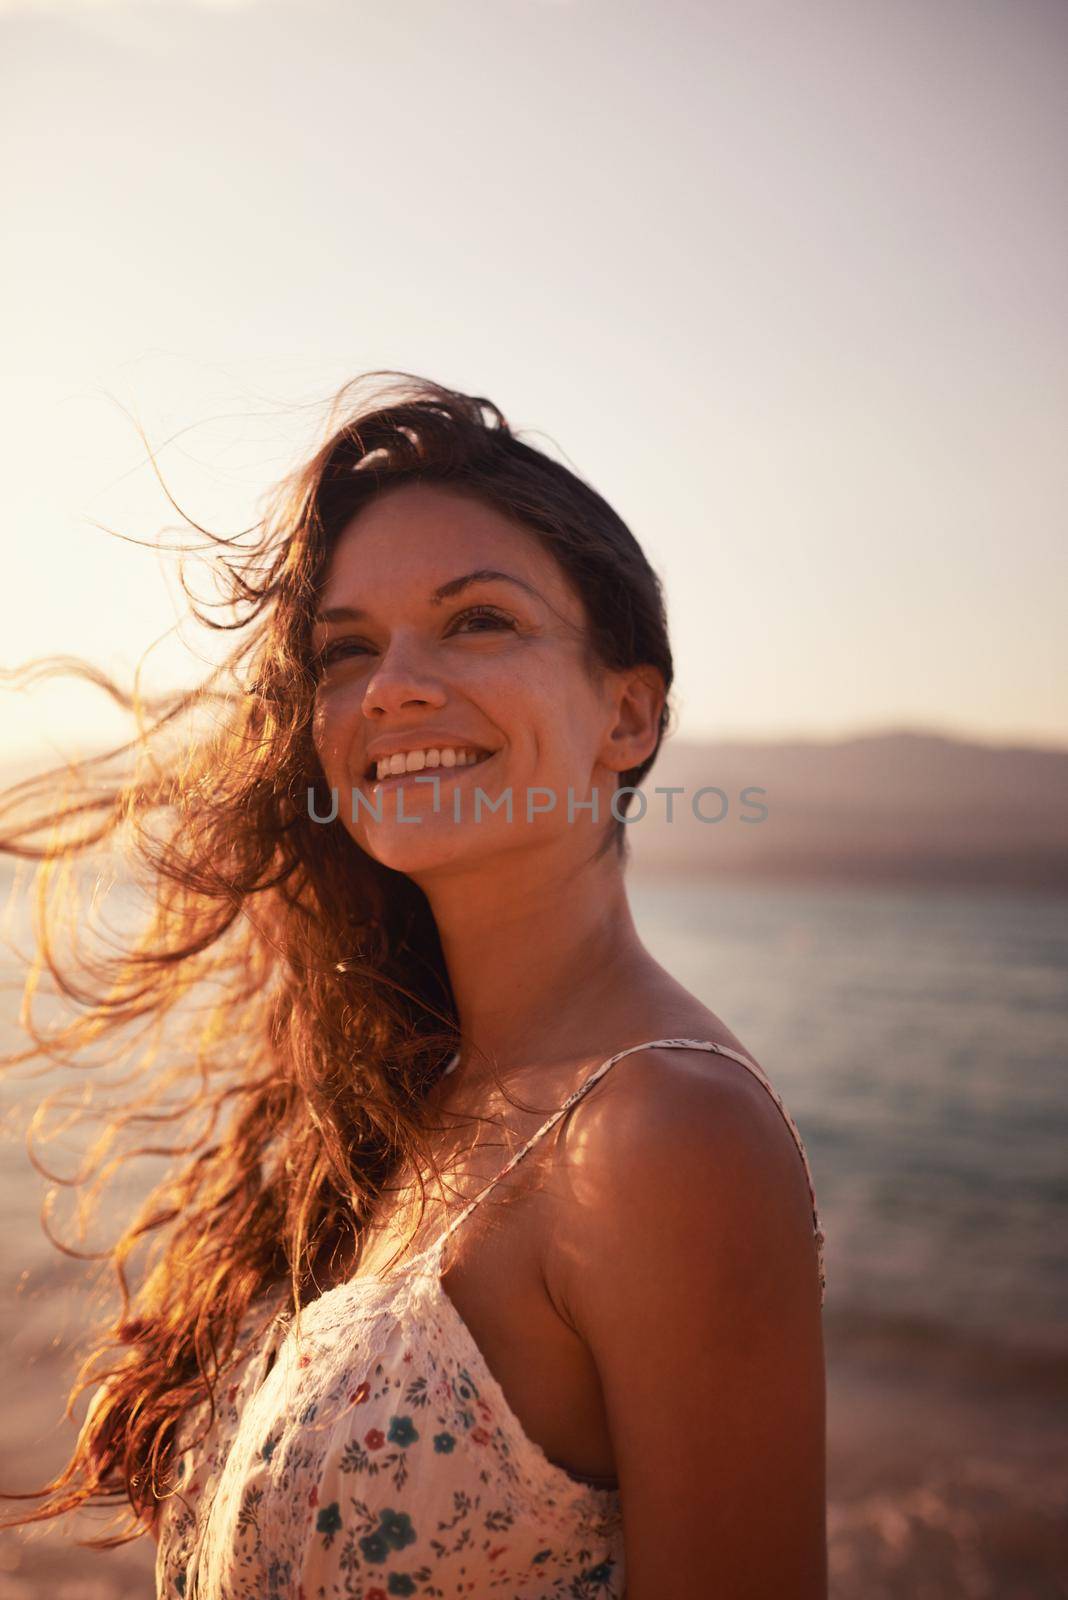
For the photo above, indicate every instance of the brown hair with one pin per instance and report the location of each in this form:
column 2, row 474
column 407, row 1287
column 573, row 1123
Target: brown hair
column 299, row 1093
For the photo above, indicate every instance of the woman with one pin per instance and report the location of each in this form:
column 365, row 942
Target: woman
column 494, row 1267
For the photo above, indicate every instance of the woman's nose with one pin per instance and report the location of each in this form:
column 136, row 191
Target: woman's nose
column 401, row 681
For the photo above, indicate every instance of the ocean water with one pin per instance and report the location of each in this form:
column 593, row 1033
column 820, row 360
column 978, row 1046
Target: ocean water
column 920, row 1040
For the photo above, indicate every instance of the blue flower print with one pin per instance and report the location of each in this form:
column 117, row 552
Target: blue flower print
column 599, row 1574
column 374, row 1547
column 444, row 1443
column 401, row 1431
column 400, row 1583
column 397, row 1528
column 542, row 1555
column 279, row 1580
column 268, row 1448
column 329, row 1520
column 464, row 1385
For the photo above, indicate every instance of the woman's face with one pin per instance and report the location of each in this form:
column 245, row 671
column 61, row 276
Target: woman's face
column 453, row 646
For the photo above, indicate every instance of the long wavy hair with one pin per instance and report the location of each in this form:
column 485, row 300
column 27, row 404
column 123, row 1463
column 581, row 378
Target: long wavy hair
column 284, row 1005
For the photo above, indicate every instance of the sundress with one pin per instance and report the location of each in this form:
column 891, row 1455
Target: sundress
column 369, row 1453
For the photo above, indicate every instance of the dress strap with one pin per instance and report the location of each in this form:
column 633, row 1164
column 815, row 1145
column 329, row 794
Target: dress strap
column 598, row 1073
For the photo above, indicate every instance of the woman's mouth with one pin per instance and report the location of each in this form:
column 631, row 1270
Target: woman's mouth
column 438, row 762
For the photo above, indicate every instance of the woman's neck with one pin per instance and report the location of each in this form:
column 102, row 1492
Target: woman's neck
column 536, row 950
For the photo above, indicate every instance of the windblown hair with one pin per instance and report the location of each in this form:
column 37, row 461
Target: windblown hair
column 286, row 999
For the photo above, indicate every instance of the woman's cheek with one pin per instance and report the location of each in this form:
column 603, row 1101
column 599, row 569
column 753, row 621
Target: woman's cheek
column 330, row 748
column 333, row 726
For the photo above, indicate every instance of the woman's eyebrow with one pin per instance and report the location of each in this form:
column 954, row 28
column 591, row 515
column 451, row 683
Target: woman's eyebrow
column 445, row 591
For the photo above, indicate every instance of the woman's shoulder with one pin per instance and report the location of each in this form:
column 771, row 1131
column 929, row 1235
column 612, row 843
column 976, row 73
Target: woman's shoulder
column 676, row 1093
column 686, row 1139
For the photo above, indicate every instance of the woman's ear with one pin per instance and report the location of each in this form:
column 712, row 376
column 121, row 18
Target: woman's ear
column 638, row 696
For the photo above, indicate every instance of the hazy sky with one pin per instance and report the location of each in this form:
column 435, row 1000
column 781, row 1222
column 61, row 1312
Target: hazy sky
column 786, row 281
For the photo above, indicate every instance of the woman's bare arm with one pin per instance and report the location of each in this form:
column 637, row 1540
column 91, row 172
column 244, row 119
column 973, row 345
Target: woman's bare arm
column 691, row 1274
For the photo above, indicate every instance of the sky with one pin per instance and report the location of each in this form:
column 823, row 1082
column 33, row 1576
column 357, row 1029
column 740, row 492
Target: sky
column 785, row 282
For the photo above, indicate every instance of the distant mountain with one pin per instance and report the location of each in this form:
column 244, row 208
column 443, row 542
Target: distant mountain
column 881, row 808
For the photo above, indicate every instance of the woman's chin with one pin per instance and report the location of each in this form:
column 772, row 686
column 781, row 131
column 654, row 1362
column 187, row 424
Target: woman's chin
column 418, row 847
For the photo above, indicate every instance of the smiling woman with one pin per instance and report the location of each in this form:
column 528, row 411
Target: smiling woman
column 465, row 675
column 459, row 1232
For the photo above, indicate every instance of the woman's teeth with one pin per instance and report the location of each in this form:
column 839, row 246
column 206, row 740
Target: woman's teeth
column 417, row 760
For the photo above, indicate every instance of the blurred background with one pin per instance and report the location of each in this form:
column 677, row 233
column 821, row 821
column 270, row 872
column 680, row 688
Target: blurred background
column 786, row 284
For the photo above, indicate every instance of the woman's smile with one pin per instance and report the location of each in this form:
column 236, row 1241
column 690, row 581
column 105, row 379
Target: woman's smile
column 437, row 762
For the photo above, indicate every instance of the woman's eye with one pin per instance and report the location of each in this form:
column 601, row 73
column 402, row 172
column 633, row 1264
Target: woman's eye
column 338, row 649
column 484, row 614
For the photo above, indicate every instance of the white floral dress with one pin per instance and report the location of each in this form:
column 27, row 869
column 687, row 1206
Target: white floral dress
column 369, row 1452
